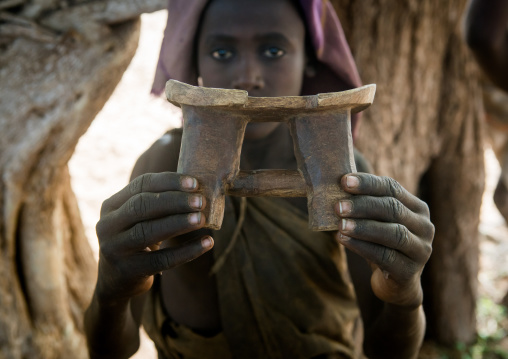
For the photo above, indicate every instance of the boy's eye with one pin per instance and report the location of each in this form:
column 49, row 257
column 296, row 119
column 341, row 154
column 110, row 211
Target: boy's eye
column 273, row 52
column 222, row 54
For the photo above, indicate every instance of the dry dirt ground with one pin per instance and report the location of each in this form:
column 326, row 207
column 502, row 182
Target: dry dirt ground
column 132, row 119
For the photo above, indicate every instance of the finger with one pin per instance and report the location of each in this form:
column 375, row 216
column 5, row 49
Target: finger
column 157, row 261
column 391, row 235
column 371, row 185
column 148, row 233
column 385, row 209
column 149, row 206
column 395, row 264
column 150, row 182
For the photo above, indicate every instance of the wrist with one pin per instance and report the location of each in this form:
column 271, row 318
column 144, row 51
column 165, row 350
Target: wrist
column 412, row 299
column 411, row 318
column 402, row 310
column 407, row 295
column 106, row 300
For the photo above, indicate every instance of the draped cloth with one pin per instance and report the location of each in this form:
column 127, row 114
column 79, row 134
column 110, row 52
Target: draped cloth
column 284, row 292
column 175, row 341
column 335, row 69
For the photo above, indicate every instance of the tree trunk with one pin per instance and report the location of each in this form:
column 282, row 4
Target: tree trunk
column 55, row 78
column 425, row 130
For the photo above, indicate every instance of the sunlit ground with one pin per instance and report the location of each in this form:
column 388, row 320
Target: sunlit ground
column 132, row 120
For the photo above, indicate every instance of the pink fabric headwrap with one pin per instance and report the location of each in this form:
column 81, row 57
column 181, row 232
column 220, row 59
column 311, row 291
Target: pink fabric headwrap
column 335, row 71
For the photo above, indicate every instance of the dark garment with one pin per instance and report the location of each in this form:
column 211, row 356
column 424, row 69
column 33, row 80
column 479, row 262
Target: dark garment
column 284, row 292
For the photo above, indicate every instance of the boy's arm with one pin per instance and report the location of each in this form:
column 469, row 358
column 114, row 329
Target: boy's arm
column 112, row 329
column 390, row 331
column 126, row 266
column 387, row 249
column 397, row 333
column 486, row 34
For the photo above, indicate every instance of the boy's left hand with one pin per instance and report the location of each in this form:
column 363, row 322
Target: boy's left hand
column 391, row 229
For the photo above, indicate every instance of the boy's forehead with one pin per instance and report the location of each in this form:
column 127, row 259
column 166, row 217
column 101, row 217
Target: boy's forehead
column 250, row 17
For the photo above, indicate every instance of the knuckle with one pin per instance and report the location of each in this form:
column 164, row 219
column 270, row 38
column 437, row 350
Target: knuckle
column 427, row 231
column 106, row 206
column 393, row 186
column 104, row 228
column 141, row 183
column 108, row 251
column 432, row 231
column 425, row 209
column 100, row 229
column 138, row 235
column 427, row 247
column 402, row 236
column 137, row 206
column 396, row 188
column 428, row 250
column 135, row 185
column 388, row 256
column 146, row 181
column 396, row 208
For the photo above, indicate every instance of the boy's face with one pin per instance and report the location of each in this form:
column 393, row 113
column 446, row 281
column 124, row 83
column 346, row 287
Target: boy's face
column 253, row 45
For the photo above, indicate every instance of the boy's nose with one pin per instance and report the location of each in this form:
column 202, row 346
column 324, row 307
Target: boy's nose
column 249, row 76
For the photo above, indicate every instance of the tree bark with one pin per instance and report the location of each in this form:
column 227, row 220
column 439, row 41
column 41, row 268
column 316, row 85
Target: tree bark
column 425, row 130
column 55, row 79
column 61, row 61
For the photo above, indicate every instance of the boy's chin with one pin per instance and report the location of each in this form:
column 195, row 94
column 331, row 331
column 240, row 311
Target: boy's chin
column 260, row 130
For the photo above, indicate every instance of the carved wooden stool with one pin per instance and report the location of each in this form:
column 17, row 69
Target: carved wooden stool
column 213, row 131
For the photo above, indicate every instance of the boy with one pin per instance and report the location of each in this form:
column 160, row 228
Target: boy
column 281, row 291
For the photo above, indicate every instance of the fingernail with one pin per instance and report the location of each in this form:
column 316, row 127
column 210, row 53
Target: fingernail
column 207, row 242
column 195, row 218
column 196, row 202
column 352, row 181
column 343, row 238
column 348, row 225
column 189, row 183
column 345, row 207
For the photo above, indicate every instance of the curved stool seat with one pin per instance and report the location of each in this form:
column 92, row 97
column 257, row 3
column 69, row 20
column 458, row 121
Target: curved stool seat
column 213, row 131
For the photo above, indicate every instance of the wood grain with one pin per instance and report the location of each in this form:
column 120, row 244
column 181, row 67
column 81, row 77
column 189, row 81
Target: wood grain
column 214, row 124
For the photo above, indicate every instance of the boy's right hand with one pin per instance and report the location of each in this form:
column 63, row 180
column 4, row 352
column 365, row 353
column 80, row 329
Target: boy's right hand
column 152, row 208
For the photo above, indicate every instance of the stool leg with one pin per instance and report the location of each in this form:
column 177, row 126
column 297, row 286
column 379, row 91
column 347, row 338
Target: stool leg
column 324, row 152
column 211, row 144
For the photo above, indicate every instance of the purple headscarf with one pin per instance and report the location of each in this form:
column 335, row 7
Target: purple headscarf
column 335, row 71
